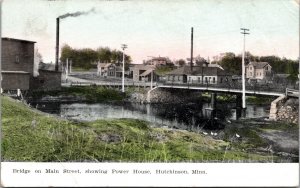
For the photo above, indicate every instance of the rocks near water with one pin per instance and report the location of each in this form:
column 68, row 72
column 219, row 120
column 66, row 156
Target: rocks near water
column 289, row 111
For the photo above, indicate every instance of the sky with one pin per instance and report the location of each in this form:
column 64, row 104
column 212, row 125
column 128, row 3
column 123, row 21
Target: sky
column 158, row 28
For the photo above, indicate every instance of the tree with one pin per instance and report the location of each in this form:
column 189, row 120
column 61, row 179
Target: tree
column 181, row 62
column 66, row 52
column 231, row 63
column 200, row 60
column 86, row 57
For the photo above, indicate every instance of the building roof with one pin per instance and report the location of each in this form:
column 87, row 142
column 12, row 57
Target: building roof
column 142, row 66
column 15, row 72
column 211, row 71
column 184, row 70
column 214, row 65
column 199, row 70
column 147, row 72
column 258, row 65
column 104, row 64
column 159, row 59
column 20, row 40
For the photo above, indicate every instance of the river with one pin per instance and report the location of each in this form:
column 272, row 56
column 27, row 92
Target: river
column 185, row 116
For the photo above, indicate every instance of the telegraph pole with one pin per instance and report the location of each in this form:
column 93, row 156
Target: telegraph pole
column 123, row 46
column 244, row 32
column 0, row 79
column 192, row 38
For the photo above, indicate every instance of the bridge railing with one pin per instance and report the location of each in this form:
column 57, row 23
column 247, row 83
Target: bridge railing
column 291, row 92
column 257, row 87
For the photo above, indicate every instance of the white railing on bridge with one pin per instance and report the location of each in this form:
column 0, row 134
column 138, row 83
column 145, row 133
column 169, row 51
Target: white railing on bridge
column 291, row 92
column 111, row 84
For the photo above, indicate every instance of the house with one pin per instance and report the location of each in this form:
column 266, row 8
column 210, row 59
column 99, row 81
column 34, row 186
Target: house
column 142, row 72
column 179, row 75
column 157, row 61
column 198, row 75
column 208, row 75
column 18, row 67
column 258, row 70
column 17, row 63
column 106, row 69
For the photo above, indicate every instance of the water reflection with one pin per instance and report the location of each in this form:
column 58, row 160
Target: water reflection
column 185, row 116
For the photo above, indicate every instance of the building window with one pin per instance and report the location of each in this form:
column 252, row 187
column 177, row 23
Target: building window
column 17, row 59
column 199, row 79
column 206, row 79
column 214, row 80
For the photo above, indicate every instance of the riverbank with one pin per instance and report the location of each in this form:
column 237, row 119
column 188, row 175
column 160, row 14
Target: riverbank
column 30, row 135
column 94, row 94
column 78, row 94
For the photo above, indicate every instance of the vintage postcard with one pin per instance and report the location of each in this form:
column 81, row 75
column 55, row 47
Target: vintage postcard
column 149, row 93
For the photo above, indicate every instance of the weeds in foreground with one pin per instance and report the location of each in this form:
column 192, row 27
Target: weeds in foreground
column 123, row 140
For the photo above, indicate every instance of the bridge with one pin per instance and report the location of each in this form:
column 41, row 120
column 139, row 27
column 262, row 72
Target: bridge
column 225, row 90
column 230, row 88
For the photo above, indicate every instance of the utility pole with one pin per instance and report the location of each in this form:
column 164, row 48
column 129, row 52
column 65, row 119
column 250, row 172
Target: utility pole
column 299, row 84
column 192, row 37
column 244, row 32
column 67, row 69
column 151, row 84
column 0, row 77
column 123, row 46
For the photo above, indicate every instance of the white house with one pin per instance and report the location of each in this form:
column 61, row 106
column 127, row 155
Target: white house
column 106, row 69
column 258, row 70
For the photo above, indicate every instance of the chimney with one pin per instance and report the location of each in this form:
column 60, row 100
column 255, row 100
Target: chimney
column 57, row 44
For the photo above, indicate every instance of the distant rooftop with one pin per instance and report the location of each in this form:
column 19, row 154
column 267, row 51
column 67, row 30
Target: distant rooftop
column 20, row 40
column 258, row 65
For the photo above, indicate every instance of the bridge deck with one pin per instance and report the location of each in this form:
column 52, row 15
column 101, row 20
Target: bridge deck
column 250, row 90
column 225, row 90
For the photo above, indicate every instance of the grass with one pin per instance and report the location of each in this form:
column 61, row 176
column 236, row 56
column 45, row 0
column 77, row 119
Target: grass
column 79, row 69
column 260, row 100
column 29, row 135
column 250, row 131
column 89, row 93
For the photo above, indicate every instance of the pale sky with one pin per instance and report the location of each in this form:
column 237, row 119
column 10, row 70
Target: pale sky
column 158, row 28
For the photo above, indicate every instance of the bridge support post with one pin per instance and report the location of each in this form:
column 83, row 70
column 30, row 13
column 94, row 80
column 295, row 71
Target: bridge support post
column 240, row 111
column 213, row 104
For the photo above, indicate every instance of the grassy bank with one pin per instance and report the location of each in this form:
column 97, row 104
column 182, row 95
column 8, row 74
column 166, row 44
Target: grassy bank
column 89, row 93
column 260, row 100
column 29, row 135
column 224, row 98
